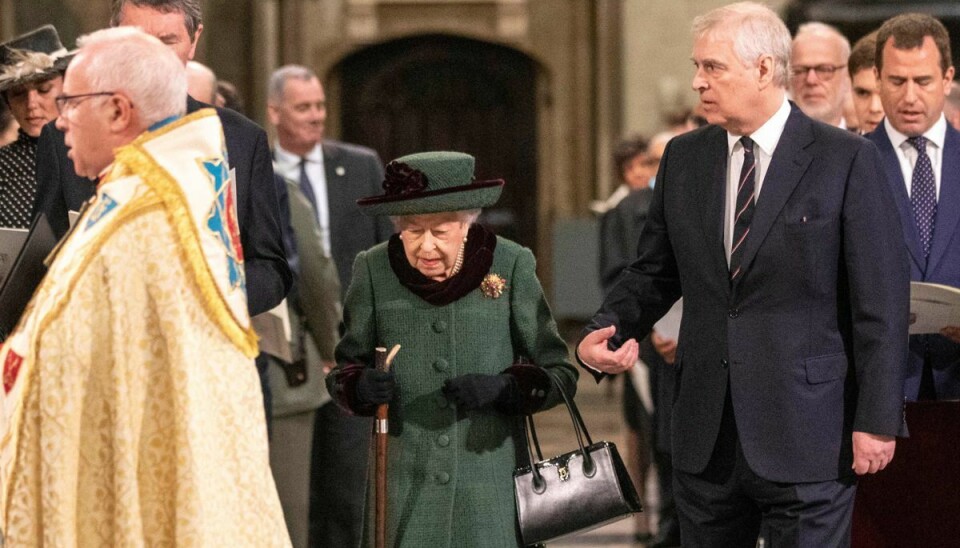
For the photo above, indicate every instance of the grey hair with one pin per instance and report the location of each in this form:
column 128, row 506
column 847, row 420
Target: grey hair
column 278, row 80
column 130, row 61
column 756, row 31
column 467, row 216
column 190, row 9
column 816, row 28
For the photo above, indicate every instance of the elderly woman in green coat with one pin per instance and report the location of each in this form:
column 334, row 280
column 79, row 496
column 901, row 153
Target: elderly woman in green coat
column 478, row 349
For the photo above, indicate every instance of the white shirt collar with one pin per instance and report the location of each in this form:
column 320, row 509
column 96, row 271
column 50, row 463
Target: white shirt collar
column 937, row 133
column 286, row 158
column 768, row 135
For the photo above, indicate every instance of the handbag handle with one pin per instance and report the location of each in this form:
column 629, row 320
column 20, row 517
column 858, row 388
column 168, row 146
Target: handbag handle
column 579, row 427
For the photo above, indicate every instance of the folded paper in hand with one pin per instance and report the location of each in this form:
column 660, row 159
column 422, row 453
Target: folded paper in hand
column 273, row 328
column 935, row 306
column 668, row 326
column 24, row 274
column 11, row 241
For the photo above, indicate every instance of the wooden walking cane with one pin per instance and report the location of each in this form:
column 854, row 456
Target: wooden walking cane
column 381, row 429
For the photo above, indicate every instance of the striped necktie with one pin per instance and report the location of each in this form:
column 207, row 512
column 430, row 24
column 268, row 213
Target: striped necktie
column 745, row 207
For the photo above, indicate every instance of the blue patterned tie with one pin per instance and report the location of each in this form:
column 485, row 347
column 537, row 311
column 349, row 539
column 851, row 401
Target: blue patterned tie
column 923, row 194
column 305, row 186
column 745, row 206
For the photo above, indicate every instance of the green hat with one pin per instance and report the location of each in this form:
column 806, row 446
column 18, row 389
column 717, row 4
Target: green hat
column 431, row 182
column 36, row 55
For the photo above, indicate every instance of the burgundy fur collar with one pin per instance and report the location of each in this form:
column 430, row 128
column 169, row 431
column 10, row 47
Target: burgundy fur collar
column 477, row 258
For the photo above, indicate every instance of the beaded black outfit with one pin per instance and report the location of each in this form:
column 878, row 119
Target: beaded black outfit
column 18, row 181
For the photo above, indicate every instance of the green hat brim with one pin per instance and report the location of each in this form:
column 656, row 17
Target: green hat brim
column 473, row 196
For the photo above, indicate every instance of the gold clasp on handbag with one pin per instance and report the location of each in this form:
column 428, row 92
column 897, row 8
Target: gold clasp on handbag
column 564, row 471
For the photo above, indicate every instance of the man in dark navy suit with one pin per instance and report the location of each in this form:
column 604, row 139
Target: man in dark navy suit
column 177, row 23
column 921, row 154
column 774, row 228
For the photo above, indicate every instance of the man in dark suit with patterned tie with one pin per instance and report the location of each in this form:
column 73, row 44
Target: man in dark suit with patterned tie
column 774, row 228
column 332, row 176
column 921, row 154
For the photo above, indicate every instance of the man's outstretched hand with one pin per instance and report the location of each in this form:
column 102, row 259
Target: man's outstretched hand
column 593, row 351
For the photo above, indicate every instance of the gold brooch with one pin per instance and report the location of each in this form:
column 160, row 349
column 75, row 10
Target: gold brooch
column 493, row 285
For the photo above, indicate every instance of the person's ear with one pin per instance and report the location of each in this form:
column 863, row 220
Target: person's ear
column 196, row 40
column 765, row 70
column 273, row 113
column 121, row 112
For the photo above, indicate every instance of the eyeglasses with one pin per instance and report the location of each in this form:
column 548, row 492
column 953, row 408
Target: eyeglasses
column 64, row 102
column 824, row 72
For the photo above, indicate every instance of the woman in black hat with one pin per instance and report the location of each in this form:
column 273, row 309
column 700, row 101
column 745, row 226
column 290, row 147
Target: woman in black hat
column 31, row 74
column 478, row 349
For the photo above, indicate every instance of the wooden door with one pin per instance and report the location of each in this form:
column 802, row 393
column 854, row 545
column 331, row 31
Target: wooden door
column 447, row 93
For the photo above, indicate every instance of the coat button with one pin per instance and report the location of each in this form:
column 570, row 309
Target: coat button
column 441, row 365
column 439, row 326
column 442, row 478
column 443, row 440
column 724, row 363
column 442, row 402
column 733, row 313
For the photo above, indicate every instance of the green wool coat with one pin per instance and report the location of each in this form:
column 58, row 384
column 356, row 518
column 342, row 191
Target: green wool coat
column 450, row 473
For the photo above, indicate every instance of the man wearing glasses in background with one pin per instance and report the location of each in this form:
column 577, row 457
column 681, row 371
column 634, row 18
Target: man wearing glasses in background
column 818, row 80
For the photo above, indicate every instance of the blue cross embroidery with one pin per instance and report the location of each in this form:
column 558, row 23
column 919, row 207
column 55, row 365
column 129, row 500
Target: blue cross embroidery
column 222, row 219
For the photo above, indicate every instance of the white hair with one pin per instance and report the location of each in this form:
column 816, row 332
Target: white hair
column 466, row 216
column 278, row 80
column 756, row 31
column 818, row 31
column 126, row 59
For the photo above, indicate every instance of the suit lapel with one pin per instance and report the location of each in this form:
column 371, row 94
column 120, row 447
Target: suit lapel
column 193, row 105
column 786, row 168
column 948, row 204
column 899, row 189
column 336, row 192
column 713, row 170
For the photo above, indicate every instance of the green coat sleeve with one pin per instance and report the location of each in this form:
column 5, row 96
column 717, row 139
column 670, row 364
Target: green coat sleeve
column 536, row 338
column 355, row 350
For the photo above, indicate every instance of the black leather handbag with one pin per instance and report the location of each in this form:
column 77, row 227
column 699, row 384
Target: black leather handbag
column 574, row 492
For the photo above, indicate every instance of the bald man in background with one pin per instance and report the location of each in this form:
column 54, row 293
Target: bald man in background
column 201, row 83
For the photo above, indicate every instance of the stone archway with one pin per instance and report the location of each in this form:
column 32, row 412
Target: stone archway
column 440, row 92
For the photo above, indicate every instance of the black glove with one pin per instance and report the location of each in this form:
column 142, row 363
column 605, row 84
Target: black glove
column 375, row 387
column 474, row 391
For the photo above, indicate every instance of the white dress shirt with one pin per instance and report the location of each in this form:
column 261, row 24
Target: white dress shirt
column 907, row 154
column 287, row 164
column 765, row 142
